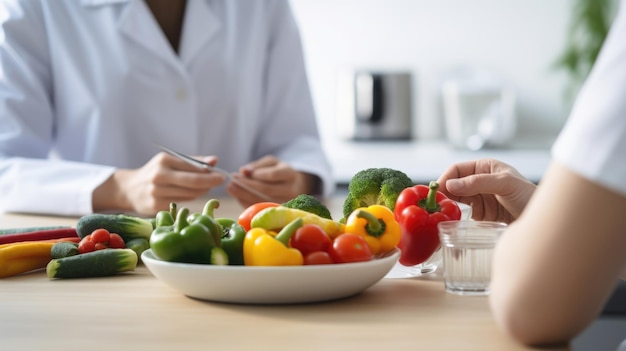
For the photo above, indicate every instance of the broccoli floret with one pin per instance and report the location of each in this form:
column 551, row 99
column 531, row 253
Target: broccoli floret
column 309, row 203
column 375, row 186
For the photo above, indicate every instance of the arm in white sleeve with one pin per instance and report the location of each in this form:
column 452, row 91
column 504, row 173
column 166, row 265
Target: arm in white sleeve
column 29, row 181
column 49, row 187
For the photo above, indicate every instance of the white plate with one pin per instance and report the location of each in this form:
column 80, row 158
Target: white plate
column 270, row 285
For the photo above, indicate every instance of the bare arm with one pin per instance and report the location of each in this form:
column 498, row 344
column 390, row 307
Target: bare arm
column 556, row 266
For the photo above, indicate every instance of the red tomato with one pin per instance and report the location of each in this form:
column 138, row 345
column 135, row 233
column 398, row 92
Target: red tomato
column 86, row 245
column 309, row 238
column 246, row 216
column 318, row 257
column 100, row 236
column 100, row 246
column 348, row 247
column 116, row 241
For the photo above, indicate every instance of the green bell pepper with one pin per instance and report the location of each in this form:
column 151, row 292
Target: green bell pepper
column 208, row 220
column 184, row 241
column 233, row 235
column 166, row 218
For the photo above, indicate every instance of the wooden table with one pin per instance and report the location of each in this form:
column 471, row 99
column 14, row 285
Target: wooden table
column 135, row 311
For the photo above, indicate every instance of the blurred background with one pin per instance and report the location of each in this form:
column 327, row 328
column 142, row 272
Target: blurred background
column 485, row 78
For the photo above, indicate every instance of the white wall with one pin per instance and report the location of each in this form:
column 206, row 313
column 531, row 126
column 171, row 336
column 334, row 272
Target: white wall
column 517, row 39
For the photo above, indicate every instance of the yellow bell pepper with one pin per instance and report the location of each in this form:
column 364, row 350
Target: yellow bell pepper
column 261, row 248
column 22, row 257
column 377, row 225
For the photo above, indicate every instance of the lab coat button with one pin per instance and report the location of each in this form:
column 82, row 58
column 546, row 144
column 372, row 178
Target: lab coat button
column 181, row 94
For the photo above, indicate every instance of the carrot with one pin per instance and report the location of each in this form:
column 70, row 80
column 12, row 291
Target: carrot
column 38, row 235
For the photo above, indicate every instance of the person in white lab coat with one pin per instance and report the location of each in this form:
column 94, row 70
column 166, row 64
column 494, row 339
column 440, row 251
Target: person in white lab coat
column 563, row 254
column 89, row 88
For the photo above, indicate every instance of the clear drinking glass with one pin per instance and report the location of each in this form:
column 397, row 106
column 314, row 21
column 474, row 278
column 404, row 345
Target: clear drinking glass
column 433, row 262
column 467, row 255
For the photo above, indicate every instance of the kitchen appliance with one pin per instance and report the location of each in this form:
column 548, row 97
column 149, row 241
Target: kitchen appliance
column 479, row 110
column 374, row 105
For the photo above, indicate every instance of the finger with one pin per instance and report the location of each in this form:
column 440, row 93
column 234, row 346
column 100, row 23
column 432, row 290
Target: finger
column 280, row 173
column 168, row 161
column 243, row 195
column 189, row 180
column 264, row 162
column 174, row 193
column 478, row 184
column 457, row 170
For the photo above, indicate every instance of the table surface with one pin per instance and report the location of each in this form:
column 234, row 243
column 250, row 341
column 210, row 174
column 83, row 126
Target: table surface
column 135, row 311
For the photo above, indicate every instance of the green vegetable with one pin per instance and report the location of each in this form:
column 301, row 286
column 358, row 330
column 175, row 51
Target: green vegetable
column 184, row 241
column 375, row 186
column 64, row 249
column 233, row 235
column 139, row 245
column 164, row 218
column 207, row 219
column 31, row 229
column 276, row 218
column 309, row 203
column 219, row 257
column 128, row 227
column 93, row 264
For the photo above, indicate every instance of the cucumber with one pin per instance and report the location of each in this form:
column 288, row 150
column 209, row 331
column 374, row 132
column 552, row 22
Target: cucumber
column 139, row 245
column 98, row 263
column 31, row 229
column 63, row 249
column 128, row 227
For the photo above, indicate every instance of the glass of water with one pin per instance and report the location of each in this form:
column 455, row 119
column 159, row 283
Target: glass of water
column 467, row 248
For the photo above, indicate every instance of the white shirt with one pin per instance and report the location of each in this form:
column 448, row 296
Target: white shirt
column 87, row 86
column 593, row 141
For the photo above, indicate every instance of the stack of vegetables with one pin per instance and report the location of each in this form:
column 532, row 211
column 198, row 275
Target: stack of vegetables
column 27, row 249
column 299, row 232
column 94, row 248
column 382, row 210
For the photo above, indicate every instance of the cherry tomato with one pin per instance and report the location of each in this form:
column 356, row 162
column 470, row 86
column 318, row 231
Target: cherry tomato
column 246, row 216
column 100, row 236
column 86, row 245
column 318, row 257
column 100, row 246
column 309, row 238
column 116, row 241
column 348, row 247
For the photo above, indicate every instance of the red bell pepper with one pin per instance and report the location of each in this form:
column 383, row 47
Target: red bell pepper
column 418, row 210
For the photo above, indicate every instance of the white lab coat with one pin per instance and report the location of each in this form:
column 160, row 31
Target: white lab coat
column 90, row 85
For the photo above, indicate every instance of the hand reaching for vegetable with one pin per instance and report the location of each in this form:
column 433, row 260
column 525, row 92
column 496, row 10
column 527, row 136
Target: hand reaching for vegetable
column 151, row 188
column 272, row 177
column 495, row 190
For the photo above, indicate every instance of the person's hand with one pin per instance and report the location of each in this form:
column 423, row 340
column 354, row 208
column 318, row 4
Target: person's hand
column 272, row 177
column 495, row 190
column 151, row 188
